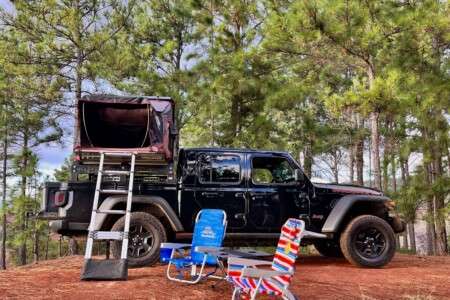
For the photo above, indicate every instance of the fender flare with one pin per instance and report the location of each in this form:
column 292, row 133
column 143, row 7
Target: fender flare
column 341, row 208
column 159, row 202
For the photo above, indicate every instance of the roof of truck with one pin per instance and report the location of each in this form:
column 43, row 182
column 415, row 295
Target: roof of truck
column 123, row 99
column 240, row 150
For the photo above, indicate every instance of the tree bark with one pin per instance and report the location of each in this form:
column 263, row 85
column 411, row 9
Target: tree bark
column 375, row 149
column 394, row 173
column 386, row 156
column 73, row 246
column 439, row 205
column 3, row 206
column 351, row 163
column 359, row 152
column 307, row 160
column 60, row 246
column 336, row 170
column 47, row 242
column 431, row 234
column 36, row 246
column 412, row 236
column 23, row 191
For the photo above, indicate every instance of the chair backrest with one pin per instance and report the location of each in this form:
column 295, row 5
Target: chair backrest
column 288, row 248
column 209, row 231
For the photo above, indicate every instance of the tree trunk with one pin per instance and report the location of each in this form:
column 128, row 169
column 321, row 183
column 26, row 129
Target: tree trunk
column 336, row 174
column 73, row 246
column 307, row 161
column 36, row 246
column 394, row 173
column 405, row 240
column 60, row 246
column 3, row 206
column 23, row 191
column 431, row 234
column 47, row 242
column 375, row 149
column 412, row 236
column 439, row 205
column 359, row 155
column 351, row 163
column 386, row 156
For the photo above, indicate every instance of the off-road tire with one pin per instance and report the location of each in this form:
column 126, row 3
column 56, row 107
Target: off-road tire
column 152, row 225
column 350, row 235
column 328, row 248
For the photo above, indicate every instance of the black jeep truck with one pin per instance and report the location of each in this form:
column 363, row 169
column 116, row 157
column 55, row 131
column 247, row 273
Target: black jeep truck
column 258, row 190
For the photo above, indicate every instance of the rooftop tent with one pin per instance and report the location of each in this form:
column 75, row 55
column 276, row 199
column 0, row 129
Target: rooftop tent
column 140, row 124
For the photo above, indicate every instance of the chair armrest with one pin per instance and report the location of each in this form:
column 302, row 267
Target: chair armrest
column 311, row 234
column 260, row 273
column 210, row 250
column 247, row 262
column 175, row 246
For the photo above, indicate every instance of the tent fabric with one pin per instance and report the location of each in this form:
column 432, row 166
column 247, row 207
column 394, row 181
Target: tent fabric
column 109, row 122
column 160, row 104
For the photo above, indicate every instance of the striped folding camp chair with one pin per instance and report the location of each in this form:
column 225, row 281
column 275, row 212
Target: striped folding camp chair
column 249, row 280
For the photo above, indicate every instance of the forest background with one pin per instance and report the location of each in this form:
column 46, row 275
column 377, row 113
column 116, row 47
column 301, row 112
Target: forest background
column 358, row 91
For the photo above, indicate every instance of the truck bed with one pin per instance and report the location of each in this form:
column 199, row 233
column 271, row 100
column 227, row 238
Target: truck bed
column 74, row 215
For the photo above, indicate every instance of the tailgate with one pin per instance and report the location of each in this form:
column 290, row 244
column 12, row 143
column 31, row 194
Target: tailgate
column 67, row 201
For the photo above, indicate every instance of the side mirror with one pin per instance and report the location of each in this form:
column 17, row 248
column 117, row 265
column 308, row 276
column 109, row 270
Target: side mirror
column 298, row 175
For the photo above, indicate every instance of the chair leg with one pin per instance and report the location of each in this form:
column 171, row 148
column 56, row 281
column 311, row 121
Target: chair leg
column 255, row 291
column 236, row 294
column 287, row 295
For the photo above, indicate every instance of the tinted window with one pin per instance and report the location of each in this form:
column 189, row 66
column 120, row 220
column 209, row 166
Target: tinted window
column 219, row 168
column 272, row 170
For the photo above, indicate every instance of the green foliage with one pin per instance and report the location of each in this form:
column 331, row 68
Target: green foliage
column 63, row 173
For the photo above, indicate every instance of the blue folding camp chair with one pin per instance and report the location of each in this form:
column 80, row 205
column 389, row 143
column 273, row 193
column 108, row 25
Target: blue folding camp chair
column 209, row 231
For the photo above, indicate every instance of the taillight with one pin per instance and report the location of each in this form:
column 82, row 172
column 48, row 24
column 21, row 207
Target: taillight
column 60, row 198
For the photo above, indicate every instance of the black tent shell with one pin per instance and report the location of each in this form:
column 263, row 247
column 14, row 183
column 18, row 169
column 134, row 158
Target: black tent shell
column 125, row 122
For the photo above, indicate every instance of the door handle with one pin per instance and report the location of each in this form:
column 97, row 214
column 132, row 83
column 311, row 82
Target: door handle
column 239, row 195
column 212, row 194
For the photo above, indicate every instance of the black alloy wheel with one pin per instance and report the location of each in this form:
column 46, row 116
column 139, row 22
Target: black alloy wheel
column 145, row 237
column 368, row 241
column 140, row 241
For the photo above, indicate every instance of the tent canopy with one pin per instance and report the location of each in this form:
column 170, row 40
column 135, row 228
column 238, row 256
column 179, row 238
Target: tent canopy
column 119, row 122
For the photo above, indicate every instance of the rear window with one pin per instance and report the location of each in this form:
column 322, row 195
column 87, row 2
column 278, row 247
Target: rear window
column 219, row 168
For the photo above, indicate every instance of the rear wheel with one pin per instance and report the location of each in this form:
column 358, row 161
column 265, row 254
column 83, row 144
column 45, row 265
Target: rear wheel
column 328, row 248
column 145, row 236
column 368, row 241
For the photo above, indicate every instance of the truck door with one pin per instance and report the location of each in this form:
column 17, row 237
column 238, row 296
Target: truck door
column 221, row 185
column 274, row 194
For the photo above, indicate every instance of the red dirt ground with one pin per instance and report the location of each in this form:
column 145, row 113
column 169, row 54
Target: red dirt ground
column 406, row 277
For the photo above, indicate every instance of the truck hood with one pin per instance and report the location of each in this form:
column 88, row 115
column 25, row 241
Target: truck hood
column 347, row 189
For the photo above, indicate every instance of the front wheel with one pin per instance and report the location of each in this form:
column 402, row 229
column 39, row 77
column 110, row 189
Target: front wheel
column 368, row 241
column 145, row 237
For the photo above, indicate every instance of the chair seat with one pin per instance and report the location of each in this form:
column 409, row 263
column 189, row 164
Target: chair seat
column 187, row 261
column 247, row 284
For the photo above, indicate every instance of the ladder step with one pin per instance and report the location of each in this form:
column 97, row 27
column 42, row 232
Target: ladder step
column 115, row 172
column 107, row 235
column 118, row 154
column 116, row 192
column 112, row 211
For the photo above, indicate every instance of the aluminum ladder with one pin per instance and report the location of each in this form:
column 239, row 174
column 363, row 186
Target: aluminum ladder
column 109, row 269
